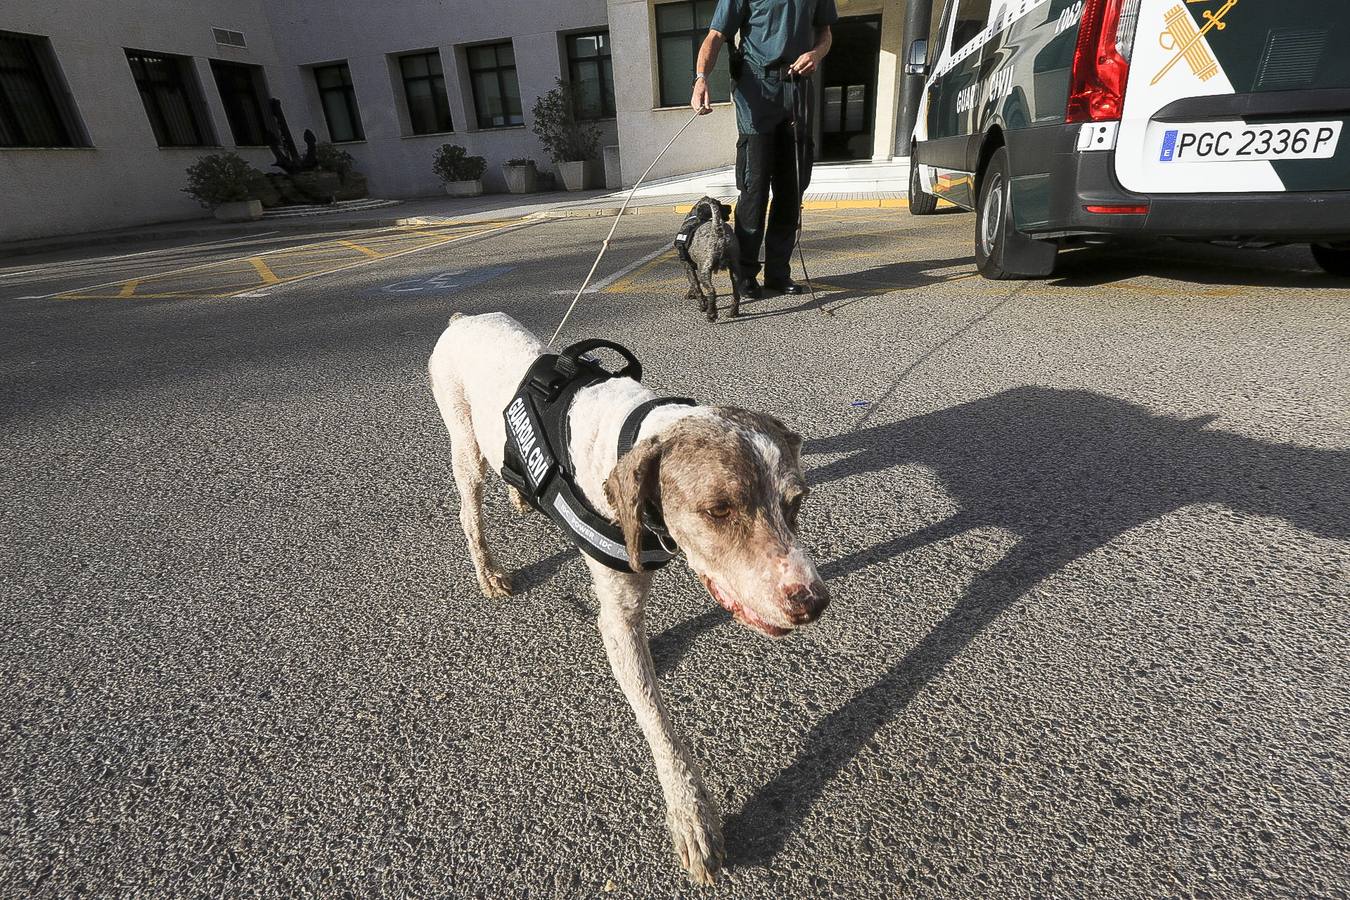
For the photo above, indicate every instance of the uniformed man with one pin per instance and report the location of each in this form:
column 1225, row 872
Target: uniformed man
column 781, row 42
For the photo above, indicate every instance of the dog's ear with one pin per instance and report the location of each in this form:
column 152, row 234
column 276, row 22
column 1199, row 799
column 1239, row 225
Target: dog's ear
column 633, row 484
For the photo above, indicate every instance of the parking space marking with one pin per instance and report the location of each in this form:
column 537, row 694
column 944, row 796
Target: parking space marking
column 258, row 274
column 103, row 259
column 264, row 272
column 373, row 254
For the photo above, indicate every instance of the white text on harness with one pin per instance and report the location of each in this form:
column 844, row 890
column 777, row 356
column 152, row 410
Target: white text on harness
column 536, row 463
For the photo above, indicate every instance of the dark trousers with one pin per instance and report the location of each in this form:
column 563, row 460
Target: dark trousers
column 764, row 162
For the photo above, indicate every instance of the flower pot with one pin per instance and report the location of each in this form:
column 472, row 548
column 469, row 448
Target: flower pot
column 573, row 175
column 240, row 211
column 521, row 179
column 464, row 188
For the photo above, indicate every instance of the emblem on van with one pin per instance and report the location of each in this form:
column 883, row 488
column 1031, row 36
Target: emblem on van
column 1181, row 35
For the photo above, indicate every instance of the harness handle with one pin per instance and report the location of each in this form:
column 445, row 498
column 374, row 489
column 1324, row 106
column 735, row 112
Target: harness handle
column 569, row 360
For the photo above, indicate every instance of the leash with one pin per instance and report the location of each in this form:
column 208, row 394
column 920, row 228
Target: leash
column 605, row 246
column 801, row 100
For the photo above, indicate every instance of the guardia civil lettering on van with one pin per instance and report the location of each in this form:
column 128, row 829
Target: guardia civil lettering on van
column 1064, row 122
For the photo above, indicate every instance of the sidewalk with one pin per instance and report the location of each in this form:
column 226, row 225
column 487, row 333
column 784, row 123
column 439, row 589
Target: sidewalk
column 424, row 211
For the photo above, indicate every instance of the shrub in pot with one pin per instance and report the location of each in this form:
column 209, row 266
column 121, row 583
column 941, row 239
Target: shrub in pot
column 572, row 142
column 227, row 184
column 522, row 176
column 461, row 174
column 351, row 184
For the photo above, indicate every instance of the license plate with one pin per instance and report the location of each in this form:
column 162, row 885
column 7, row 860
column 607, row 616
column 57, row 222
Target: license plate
column 1238, row 142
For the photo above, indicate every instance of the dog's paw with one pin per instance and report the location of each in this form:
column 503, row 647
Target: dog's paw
column 495, row 584
column 696, row 835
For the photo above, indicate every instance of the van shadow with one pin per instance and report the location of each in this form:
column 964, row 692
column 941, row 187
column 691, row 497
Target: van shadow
column 1193, row 264
column 1066, row 471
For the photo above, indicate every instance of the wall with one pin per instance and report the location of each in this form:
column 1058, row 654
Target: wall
column 124, row 179
column 367, row 35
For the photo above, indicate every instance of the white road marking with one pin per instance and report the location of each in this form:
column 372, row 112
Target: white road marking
column 597, row 286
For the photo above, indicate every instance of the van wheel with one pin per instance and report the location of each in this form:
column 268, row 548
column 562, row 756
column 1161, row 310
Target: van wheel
column 1335, row 260
column 1001, row 251
column 920, row 203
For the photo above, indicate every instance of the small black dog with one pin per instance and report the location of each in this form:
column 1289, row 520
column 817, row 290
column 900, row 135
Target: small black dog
column 708, row 245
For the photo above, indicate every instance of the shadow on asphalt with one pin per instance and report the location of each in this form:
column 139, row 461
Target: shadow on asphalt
column 837, row 291
column 671, row 645
column 1191, row 263
column 1067, row 471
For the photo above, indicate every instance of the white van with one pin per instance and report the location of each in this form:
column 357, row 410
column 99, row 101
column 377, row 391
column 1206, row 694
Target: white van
column 1063, row 120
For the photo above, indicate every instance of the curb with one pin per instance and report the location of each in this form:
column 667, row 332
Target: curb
column 604, row 212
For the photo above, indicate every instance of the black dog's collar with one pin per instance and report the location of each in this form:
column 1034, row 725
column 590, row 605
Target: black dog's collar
column 538, row 462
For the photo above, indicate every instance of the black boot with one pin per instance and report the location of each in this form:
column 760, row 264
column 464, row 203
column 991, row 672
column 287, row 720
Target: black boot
column 750, row 288
column 787, row 286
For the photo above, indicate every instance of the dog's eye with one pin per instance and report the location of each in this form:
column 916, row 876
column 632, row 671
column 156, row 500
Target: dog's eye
column 718, row 511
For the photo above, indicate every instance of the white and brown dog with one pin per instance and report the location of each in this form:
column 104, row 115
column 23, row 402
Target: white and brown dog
column 728, row 483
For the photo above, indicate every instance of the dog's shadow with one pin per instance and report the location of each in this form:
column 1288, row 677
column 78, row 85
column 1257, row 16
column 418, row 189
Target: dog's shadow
column 1067, row 472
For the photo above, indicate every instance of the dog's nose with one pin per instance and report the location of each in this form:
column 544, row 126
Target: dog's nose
column 805, row 602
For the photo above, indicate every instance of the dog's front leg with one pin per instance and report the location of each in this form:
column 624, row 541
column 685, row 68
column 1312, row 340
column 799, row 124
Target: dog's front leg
column 695, row 824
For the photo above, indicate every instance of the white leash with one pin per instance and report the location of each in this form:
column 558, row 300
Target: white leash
column 605, row 246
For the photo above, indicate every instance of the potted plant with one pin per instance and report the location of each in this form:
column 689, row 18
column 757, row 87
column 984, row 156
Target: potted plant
column 572, row 141
column 522, row 176
column 225, row 183
column 351, row 184
column 461, row 174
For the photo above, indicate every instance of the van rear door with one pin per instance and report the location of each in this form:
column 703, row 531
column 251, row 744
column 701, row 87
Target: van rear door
column 1232, row 96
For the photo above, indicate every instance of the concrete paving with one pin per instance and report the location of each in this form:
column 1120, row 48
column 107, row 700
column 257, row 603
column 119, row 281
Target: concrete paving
column 1089, row 540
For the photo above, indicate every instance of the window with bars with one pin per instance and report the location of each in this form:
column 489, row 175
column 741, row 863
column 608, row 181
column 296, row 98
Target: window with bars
column 338, row 98
column 591, row 72
column 680, row 30
column 172, row 100
column 34, row 111
column 424, row 89
column 496, row 93
column 243, row 92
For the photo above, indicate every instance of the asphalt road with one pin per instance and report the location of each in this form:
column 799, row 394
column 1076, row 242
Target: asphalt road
column 1089, row 541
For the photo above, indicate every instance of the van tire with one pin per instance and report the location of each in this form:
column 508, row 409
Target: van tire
column 920, row 203
column 1335, row 260
column 1001, row 251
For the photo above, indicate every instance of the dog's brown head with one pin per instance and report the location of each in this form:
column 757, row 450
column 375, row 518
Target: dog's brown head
column 729, row 487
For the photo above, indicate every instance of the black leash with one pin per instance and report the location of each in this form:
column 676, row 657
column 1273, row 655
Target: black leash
column 801, row 109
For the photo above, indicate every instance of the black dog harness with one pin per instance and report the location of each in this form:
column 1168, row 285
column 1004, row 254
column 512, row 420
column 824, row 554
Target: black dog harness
column 696, row 217
column 538, row 461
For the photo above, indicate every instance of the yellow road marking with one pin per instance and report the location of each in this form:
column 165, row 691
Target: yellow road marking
column 129, row 288
column 626, row 282
column 265, row 273
column 373, row 254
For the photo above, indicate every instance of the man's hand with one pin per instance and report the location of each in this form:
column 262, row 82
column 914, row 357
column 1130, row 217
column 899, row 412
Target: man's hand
column 699, row 102
column 806, row 63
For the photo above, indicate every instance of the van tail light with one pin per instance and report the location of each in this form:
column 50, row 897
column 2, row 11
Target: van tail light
column 1101, row 62
column 1141, row 210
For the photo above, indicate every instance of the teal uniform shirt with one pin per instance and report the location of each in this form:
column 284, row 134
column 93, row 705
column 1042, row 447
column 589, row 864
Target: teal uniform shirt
column 772, row 33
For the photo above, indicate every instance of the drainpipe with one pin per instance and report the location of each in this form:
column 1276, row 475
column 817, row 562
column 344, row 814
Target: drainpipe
column 918, row 22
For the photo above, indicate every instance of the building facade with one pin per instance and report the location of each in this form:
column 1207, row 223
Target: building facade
column 104, row 103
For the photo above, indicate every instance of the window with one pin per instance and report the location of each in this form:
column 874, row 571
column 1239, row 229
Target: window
column 338, row 98
column 591, row 72
column 680, row 30
column 172, row 101
column 496, row 95
column 971, row 17
column 424, row 88
column 243, row 92
column 34, row 111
